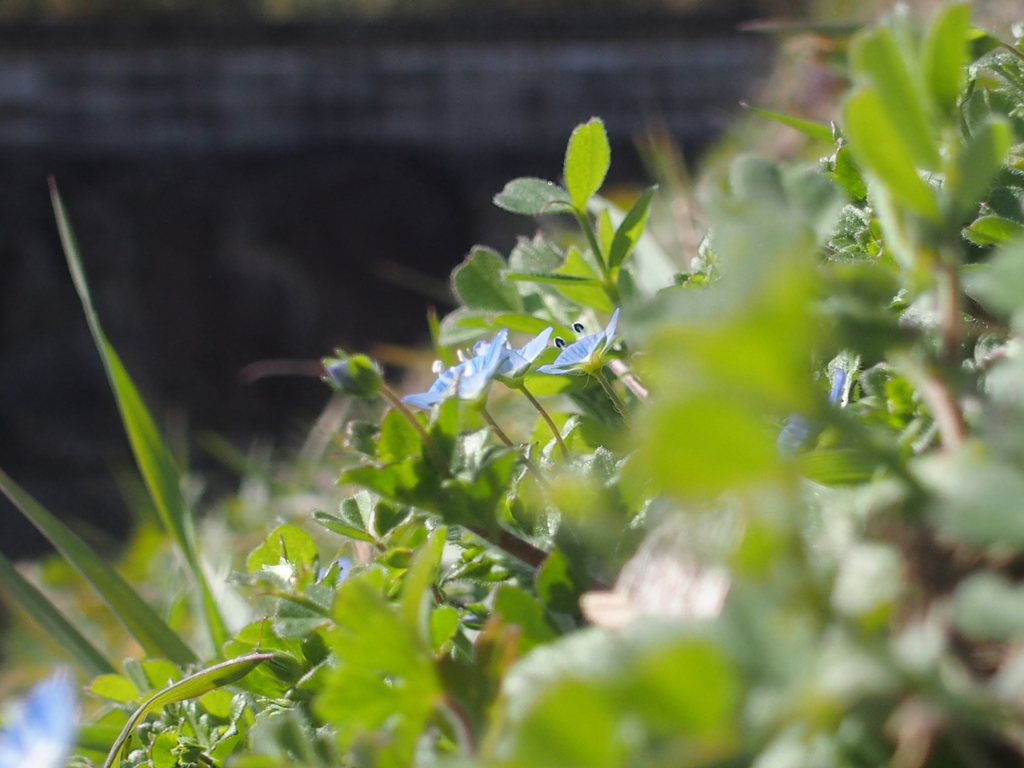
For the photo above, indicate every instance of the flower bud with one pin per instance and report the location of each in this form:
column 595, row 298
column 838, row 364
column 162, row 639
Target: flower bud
column 356, row 375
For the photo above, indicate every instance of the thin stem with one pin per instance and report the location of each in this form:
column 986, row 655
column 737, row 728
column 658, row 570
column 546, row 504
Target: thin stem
column 939, row 398
column 613, row 396
column 606, row 277
column 497, row 430
column 399, row 406
column 547, row 418
column 513, row 545
column 505, row 439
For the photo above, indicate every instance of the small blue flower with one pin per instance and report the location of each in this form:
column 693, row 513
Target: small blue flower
column 39, row 730
column 586, row 355
column 516, row 362
column 470, row 379
column 798, row 427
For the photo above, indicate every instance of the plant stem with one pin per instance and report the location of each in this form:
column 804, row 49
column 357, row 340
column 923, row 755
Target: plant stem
column 613, row 396
column 399, row 406
column 606, row 277
column 497, row 430
column 547, row 418
column 505, row 439
column 513, row 545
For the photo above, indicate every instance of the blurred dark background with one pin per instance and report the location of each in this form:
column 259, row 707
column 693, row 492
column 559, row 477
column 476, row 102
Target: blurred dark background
column 246, row 188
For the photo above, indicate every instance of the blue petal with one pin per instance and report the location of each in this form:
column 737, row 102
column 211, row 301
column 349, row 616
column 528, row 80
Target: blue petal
column 537, row 345
column 424, row 400
column 579, row 351
column 609, row 330
column 793, row 435
column 837, row 386
column 40, row 733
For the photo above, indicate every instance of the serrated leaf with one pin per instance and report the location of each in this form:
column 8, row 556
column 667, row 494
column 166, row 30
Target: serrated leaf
column 152, row 456
column 876, row 57
column 944, row 56
column 586, row 162
column 878, row 146
column 39, row 608
column 993, row 230
column 478, row 283
column 398, row 438
column 848, row 175
column 632, row 227
column 131, row 610
column 816, row 131
column 191, row 687
column 533, row 197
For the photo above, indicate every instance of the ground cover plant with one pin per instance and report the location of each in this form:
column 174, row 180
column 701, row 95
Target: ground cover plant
column 763, row 508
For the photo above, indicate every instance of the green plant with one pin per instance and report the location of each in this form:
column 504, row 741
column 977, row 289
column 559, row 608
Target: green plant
column 766, row 510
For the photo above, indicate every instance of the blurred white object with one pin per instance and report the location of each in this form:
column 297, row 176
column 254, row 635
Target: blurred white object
column 664, row 579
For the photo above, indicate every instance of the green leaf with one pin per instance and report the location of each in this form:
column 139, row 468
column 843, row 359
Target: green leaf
column 573, row 724
column 384, row 675
column 533, row 197
column 151, row 453
column 988, row 607
column 944, row 57
column 605, row 232
column 156, row 638
column 285, row 543
column 975, row 501
column 336, row 524
column 559, row 585
column 977, row 166
column 575, row 279
column 848, row 175
column 880, row 147
column 444, row 623
column 478, row 283
column 993, row 230
column 114, row 687
column 816, row 131
column 999, row 283
column 703, row 705
column 631, row 228
column 191, row 687
column 38, row 608
column 416, row 594
column 876, row 57
column 586, row 162
column 398, row 438
column 726, row 445
column 517, row 606
column 845, row 466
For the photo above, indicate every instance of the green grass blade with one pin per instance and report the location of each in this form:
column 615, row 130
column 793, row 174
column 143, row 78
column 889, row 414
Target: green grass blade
column 816, row 131
column 51, row 621
column 151, row 453
column 222, row 674
column 155, row 637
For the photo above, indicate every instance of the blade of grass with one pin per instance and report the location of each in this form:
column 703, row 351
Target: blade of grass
column 151, row 453
column 44, row 613
column 155, row 637
column 222, row 674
